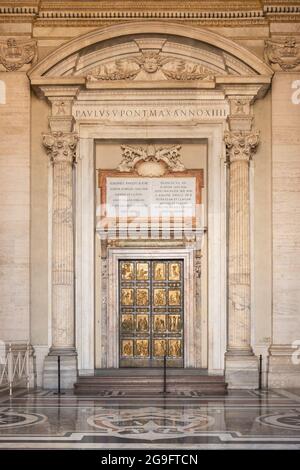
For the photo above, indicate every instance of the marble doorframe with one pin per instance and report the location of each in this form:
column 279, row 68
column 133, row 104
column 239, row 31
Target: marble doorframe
column 86, row 320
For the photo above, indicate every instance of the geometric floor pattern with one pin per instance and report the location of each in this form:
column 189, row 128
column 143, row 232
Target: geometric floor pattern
column 244, row 419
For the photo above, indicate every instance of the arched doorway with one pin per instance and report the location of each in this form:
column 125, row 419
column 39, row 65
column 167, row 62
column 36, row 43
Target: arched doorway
column 151, row 84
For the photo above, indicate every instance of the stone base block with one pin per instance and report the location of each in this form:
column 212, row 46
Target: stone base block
column 68, row 372
column 284, row 367
column 241, row 372
column 40, row 352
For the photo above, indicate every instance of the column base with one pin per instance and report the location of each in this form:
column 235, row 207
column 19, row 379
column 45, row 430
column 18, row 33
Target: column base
column 284, row 366
column 241, row 371
column 63, row 351
column 68, row 371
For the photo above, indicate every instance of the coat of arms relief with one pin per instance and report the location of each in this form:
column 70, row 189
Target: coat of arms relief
column 151, row 160
column 283, row 54
column 14, row 54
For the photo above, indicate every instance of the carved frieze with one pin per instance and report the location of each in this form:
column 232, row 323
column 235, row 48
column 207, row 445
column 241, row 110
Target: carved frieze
column 14, row 54
column 151, row 160
column 150, row 64
column 240, row 145
column 283, row 55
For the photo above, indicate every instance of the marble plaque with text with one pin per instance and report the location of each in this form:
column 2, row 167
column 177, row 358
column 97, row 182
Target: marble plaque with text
column 140, row 196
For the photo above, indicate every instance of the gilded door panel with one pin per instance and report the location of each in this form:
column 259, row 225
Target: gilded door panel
column 151, row 313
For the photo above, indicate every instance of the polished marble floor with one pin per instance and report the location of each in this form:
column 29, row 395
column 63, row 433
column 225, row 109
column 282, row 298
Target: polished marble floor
column 243, row 419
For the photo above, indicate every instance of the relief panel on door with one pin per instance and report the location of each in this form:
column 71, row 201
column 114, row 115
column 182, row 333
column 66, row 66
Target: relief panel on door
column 151, row 313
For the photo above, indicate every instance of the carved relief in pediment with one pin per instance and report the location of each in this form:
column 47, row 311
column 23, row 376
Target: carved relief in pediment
column 156, row 58
column 150, row 65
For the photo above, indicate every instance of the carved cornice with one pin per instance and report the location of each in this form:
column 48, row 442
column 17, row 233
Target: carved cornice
column 150, row 160
column 281, row 7
column 96, row 23
column 240, row 145
column 168, row 9
column 14, row 54
column 283, row 55
column 218, row 12
column 10, row 7
column 61, row 147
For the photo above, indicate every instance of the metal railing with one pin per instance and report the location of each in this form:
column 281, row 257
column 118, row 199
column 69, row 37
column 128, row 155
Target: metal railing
column 14, row 366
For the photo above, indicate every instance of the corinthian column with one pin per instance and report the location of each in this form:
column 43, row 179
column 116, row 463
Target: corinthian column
column 241, row 364
column 61, row 148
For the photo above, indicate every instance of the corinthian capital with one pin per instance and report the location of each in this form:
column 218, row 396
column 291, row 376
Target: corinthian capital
column 240, row 145
column 61, row 146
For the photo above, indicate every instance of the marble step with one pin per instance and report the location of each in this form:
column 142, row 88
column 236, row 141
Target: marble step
column 138, row 383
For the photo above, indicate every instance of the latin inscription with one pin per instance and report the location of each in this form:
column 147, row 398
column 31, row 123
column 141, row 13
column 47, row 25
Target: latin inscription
column 157, row 194
column 148, row 113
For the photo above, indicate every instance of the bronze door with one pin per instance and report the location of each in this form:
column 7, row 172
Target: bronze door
column 151, row 312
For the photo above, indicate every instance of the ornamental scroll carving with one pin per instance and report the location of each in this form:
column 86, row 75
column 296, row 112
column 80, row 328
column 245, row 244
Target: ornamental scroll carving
column 283, row 55
column 151, row 160
column 14, row 54
column 240, row 145
column 150, row 64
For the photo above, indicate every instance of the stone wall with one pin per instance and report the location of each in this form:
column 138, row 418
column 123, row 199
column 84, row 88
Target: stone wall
column 14, row 207
column 286, row 229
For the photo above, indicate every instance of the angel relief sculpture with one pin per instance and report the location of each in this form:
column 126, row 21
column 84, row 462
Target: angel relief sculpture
column 150, row 64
